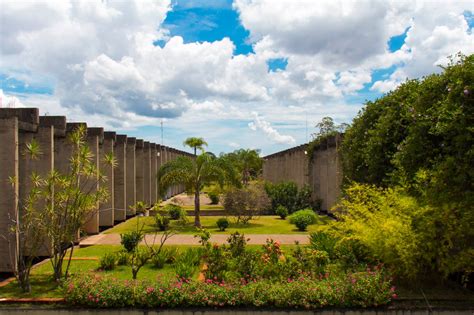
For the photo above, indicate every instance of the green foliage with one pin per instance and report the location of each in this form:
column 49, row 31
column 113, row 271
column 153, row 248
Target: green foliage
column 362, row 289
column 322, row 241
column 392, row 226
column 247, row 162
column 159, row 260
column 281, row 211
column 222, row 224
column 162, row 222
column 195, row 143
column 420, row 137
column 183, row 270
column 245, row 203
column 237, row 243
column 140, row 207
column 176, row 212
column 288, row 195
column 107, row 261
column 131, row 240
column 423, row 126
column 302, row 218
column 214, row 196
column 122, row 258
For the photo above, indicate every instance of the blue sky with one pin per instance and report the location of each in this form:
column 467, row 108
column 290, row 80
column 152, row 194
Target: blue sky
column 240, row 74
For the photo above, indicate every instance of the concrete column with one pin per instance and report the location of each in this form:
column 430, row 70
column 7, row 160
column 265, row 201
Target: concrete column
column 107, row 209
column 159, row 162
column 41, row 165
column 153, row 170
column 120, row 178
column 131, row 176
column 147, row 172
column 95, row 137
column 9, row 192
column 140, row 176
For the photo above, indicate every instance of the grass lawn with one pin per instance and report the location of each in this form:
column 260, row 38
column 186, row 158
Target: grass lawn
column 43, row 285
column 260, row 225
column 204, row 207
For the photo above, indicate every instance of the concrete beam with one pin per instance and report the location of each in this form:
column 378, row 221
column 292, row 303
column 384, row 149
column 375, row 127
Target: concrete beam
column 28, row 118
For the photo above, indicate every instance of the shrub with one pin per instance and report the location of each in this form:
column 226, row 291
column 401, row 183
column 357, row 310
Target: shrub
column 281, row 211
column 288, row 195
column 237, row 243
column 183, row 270
column 191, row 256
column 363, row 289
column 122, row 258
column 390, row 225
column 159, row 259
column 222, row 224
column 130, row 240
column 214, row 196
column 171, row 254
column 162, row 222
column 175, row 212
column 302, row 218
column 107, row 261
column 245, row 203
column 323, row 241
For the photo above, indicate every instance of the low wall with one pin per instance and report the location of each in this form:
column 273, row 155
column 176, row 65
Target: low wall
column 16, row 311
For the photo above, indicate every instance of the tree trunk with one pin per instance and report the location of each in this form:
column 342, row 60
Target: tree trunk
column 197, row 208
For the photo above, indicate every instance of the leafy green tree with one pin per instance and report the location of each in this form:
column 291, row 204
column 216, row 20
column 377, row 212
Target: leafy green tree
column 195, row 143
column 194, row 174
column 420, row 137
column 325, row 127
column 247, row 162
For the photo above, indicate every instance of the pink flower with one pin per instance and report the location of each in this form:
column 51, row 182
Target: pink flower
column 394, row 296
column 150, row 290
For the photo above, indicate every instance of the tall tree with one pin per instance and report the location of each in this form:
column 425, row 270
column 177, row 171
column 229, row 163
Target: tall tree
column 195, row 143
column 194, row 174
column 247, row 162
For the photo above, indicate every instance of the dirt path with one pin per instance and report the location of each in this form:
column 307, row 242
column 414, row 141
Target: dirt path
column 186, row 239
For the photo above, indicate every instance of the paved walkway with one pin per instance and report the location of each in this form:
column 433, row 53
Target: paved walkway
column 188, row 239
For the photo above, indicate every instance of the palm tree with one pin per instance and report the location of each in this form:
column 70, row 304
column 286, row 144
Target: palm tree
column 195, row 143
column 195, row 173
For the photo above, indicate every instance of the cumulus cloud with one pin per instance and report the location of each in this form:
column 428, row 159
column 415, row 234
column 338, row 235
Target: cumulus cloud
column 101, row 62
column 260, row 124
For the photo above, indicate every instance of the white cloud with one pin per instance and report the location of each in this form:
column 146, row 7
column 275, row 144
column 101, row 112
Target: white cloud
column 100, row 59
column 9, row 101
column 260, row 124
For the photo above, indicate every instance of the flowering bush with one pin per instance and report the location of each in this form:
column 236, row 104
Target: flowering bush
column 363, row 289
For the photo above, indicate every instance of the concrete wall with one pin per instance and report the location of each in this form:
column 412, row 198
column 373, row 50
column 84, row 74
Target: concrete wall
column 133, row 179
column 321, row 170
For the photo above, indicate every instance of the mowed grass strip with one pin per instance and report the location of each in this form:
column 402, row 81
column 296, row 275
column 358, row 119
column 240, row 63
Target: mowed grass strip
column 259, row 225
